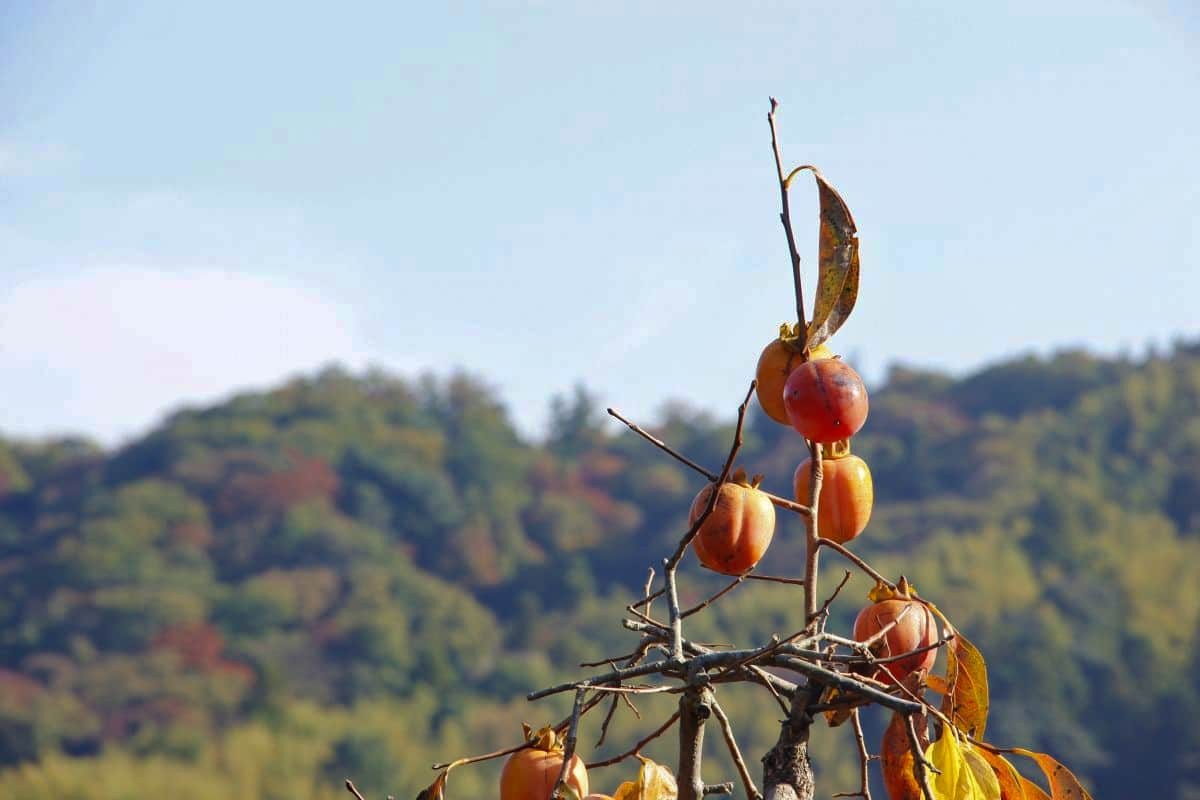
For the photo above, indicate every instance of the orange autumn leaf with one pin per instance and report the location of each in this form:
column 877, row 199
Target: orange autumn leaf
column 896, row 758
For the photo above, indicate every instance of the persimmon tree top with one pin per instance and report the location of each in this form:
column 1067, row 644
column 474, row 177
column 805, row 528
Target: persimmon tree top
column 811, row 672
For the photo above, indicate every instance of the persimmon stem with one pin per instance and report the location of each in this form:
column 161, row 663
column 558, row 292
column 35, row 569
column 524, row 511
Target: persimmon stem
column 785, row 218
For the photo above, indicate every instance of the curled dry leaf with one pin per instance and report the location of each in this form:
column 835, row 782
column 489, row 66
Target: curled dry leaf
column 837, row 280
column 655, row 782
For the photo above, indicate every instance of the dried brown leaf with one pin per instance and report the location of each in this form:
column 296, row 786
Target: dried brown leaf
column 838, row 266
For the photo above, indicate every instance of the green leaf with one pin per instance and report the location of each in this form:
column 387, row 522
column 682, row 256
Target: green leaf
column 837, row 279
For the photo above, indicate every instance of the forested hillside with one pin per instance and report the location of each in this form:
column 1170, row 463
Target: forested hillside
column 360, row 575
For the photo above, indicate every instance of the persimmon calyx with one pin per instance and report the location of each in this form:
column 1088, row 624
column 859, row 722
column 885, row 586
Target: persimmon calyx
column 740, row 478
column 838, row 449
column 546, row 739
column 903, row 590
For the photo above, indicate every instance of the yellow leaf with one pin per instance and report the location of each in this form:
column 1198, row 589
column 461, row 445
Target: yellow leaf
column 655, row 782
column 964, row 775
column 627, row 791
column 946, row 757
column 988, row 785
column 1063, row 783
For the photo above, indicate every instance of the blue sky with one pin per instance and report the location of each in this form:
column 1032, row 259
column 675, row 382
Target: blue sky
column 199, row 198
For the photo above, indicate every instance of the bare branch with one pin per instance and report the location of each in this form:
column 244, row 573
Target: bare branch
column 920, row 765
column 812, row 549
column 865, row 758
column 485, row 757
column 718, row 788
column 706, row 603
column 823, row 611
column 560, row 786
column 637, row 748
column 776, row 500
column 695, row 707
column 785, row 219
column 672, row 562
column 856, row 561
column 734, row 752
column 352, row 789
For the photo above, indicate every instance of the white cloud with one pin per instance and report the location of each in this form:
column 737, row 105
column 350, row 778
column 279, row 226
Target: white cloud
column 106, row 352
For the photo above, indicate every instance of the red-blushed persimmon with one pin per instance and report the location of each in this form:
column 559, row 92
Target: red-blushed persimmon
column 825, row 400
column 736, row 534
column 847, row 493
column 530, row 774
column 775, row 364
column 915, row 627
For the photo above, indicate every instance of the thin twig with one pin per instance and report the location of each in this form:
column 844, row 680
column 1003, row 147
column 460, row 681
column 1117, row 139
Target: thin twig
column 774, row 579
column 637, row 748
column 921, row 767
column 856, row 561
column 785, row 219
column 669, row 564
column 865, row 791
column 485, row 757
column 823, row 611
column 776, row 500
column 706, row 603
column 352, row 789
column 736, row 754
column 612, row 709
column 560, row 785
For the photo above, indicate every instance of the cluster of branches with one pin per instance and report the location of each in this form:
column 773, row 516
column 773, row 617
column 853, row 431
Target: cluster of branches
column 821, row 661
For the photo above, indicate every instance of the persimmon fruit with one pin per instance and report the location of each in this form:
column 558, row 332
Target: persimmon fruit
column 847, row 493
column 738, row 531
column 915, row 627
column 531, row 773
column 775, row 365
column 825, row 400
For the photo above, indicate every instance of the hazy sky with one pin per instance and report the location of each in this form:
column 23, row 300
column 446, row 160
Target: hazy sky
column 202, row 197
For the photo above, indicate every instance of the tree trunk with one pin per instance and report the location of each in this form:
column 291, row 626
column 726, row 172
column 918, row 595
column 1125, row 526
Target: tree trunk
column 695, row 707
column 787, row 774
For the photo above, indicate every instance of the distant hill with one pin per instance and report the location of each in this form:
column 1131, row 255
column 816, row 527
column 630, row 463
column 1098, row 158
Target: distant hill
column 364, row 574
